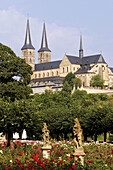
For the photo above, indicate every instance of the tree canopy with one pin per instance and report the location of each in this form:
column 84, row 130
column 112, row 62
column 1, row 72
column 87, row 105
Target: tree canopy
column 15, row 75
column 97, row 81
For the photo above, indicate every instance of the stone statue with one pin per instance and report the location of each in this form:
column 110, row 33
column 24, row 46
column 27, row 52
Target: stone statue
column 78, row 150
column 45, row 135
column 77, row 133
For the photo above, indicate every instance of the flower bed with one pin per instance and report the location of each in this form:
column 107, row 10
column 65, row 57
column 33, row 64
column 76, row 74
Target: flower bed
column 29, row 157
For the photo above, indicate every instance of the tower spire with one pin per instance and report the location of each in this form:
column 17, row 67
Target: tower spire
column 44, row 44
column 27, row 44
column 81, row 48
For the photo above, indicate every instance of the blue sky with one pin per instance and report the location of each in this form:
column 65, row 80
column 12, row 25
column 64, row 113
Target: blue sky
column 65, row 20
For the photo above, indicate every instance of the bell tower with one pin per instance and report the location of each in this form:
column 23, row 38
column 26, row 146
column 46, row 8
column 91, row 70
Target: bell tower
column 28, row 51
column 44, row 53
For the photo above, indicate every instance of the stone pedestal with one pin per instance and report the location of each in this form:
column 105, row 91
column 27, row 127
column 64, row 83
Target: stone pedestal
column 46, row 151
column 79, row 152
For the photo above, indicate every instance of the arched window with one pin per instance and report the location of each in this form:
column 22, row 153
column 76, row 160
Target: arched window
column 67, row 69
column 47, row 74
column 52, row 73
column 35, row 75
column 63, row 69
column 39, row 75
column 30, row 60
column 43, row 74
column 57, row 73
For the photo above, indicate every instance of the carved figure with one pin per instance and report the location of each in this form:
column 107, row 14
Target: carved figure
column 77, row 133
column 45, row 135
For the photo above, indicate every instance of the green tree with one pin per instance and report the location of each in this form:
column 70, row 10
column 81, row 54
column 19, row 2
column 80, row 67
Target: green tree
column 15, row 116
column 14, row 79
column 14, row 75
column 69, row 78
column 97, row 81
column 77, row 82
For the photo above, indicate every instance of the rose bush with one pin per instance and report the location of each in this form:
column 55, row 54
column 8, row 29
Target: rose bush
column 28, row 156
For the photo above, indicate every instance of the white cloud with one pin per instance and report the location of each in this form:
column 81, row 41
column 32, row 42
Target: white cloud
column 61, row 39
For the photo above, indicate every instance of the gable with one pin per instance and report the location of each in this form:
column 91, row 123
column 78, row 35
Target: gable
column 93, row 59
column 65, row 61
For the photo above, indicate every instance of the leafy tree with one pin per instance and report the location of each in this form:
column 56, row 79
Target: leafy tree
column 14, row 79
column 97, row 81
column 14, row 75
column 77, row 82
column 69, row 78
column 79, row 94
column 15, row 116
column 67, row 87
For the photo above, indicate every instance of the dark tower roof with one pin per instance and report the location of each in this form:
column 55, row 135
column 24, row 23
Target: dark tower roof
column 44, row 45
column 27, row 44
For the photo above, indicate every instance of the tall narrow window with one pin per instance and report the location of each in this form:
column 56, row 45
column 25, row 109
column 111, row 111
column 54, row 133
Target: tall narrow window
column 47, row 74
column 63, row 69
column 57, row 73
column 35, row 75
column 39, row 75
column 52, row 73
column 30, row 60
column 43, row 74
column 67, row 69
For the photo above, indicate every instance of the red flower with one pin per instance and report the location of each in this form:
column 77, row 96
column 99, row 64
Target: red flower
column 18, row 162
column 112, row 151
column 32, row 142
column 68, row 158
column 89, row 161
column 76, row 163
column 38, row 149
column 33, row 148
column 35, row 159
column 77, row 156
column 21, row 165
column 61, row 162
column 39, row 162
column 46, row 160
column 20, row 154
column 53, row 160
column 42, row 165
column 101, row 155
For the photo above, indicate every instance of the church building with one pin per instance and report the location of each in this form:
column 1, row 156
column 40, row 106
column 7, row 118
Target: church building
column 49, row 74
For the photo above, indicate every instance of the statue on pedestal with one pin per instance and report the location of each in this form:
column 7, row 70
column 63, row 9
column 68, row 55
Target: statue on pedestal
column 45, row 135
column 78, row 150
column 46, row 146
column 77, row 133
